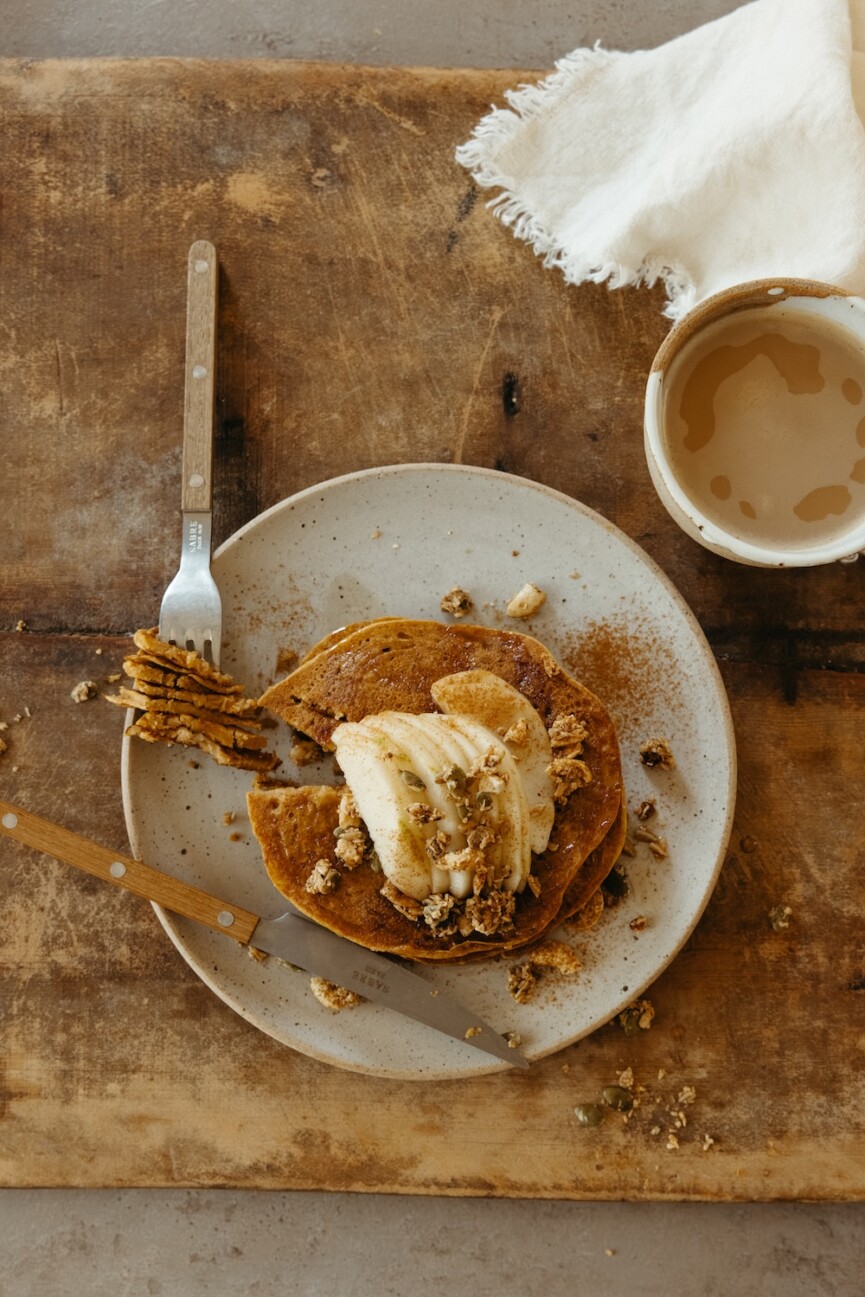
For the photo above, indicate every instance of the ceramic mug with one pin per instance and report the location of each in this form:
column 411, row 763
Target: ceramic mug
column 754, row 423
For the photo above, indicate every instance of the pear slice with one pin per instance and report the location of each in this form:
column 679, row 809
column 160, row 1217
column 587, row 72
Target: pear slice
column 499, row 706
column 461, row 749
column 427, row 754
column 372, row 767
column 513, row 820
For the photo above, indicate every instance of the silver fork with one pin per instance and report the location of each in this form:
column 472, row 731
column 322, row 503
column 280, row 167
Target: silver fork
column 191, row 612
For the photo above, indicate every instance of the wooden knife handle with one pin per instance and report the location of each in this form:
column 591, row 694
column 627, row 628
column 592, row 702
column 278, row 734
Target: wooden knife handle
column 202, row 281
column 134, row 875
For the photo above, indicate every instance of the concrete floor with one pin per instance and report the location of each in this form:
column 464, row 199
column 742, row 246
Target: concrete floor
column 141, row 1243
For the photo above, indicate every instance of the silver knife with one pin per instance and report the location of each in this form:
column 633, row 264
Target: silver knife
column 292, row 937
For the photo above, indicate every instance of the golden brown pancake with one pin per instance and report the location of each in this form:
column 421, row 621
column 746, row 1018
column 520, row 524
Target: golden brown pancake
column 179, row 697
column 391, row 664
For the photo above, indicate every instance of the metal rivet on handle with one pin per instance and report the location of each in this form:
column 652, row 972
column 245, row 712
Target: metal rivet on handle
column 196, row 480
column 117, row 869
column 199, row 371
column 225, row 918
column 201, row 265
column 10, row 821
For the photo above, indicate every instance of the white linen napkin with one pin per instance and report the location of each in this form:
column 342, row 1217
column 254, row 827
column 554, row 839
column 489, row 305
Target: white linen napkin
column 734, row 152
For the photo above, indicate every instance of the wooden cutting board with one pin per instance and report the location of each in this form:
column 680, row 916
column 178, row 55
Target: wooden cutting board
column 372, row 312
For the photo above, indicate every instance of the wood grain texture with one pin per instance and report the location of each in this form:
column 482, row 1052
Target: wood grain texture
column 371, row 312
column 123, row 871
column 202, row 287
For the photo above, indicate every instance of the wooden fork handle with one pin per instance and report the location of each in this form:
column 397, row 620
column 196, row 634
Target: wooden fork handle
column 133, row 875
column 202, row 281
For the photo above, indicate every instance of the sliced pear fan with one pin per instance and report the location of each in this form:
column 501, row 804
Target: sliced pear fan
column 498, row 705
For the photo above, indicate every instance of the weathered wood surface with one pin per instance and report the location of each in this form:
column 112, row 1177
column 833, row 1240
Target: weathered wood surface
column 371, row 312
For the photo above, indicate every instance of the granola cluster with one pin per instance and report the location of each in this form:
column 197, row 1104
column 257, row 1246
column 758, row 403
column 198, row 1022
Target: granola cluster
column 351, row 849
column 457, row 602
column 548, row 957
column 657, row 753
column 568, row 771
column 489, row 909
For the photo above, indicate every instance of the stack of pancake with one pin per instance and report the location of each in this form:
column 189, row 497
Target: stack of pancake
column 391, row 664
column 181, row 698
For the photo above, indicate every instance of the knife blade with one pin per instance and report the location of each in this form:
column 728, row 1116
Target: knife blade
column 291, row 937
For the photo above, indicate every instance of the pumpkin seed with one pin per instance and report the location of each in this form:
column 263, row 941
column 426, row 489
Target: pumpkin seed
column 616, row 1096
column 589, row 1114
column 411, row 779
column 455, row 779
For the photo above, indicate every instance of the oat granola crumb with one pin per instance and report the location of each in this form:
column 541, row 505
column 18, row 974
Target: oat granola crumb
column 518, row 733
column 639, row 924
column 351, row 846
column 522, row 981
column 375, row 534
column 228, row 817
column 349, row 815
column 235, row 837
column 83, row 690
column 333, row 997
column 779, row 917
column 406, row 905
column 492, row 913
column 526, row 601
column 626, row 1078
column 707, row 1143
column 513, row 1039
column 20, row 625
column 304, row 752
column 471, row 1032
column 672, row 1139
column 659, row 849
column 437, row 913
column 260, row 956
column 637, row 1017
column 557, row 955
column 647, row 809
column 657, row 753
column 323, row 878
column 568, row 731
column 457, row 602
column 568, row 774
column 424, row 813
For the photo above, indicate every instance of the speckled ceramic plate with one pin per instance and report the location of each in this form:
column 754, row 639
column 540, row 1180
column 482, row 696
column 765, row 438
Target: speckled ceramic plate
column 393, row 541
